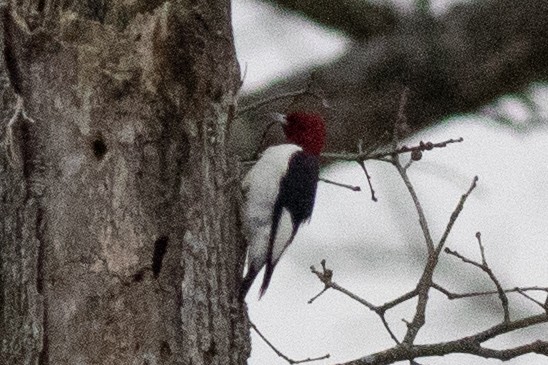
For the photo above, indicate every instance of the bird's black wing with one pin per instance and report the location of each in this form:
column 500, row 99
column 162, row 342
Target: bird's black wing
column 297, row 195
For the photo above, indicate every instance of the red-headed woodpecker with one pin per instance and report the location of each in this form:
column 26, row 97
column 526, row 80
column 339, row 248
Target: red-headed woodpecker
column 280, row 191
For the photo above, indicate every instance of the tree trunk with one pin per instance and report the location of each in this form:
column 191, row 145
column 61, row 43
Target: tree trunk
column 119, row 232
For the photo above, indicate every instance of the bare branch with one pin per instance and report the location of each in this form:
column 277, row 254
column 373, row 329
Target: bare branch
column 406, row 349
column 451, row 296
column 421, row 147
column 405, row 297
column 313, row 299
column 425, row 283
column 507, row 327
column 362, row 165
column 310, row 359
column 418, row 207
column 482, row 249
column 542, row 305
column 455, row 214
column 408, row 164
column 465, row 346
column 485, row 268
column 539, row 347
column 280, row 354
column 326, row 277
column 350, row 187
column 388, row 329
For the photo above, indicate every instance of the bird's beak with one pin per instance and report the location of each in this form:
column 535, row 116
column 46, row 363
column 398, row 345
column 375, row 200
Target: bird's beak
column 279, row 117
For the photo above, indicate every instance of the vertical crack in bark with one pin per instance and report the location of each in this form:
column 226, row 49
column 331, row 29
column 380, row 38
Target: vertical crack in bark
column 43, row 359
column 40, row 281
column 33, row 179
column 12, row 68
column 41, row 251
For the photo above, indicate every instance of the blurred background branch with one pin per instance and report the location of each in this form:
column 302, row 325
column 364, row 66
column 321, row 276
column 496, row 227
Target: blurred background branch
column 358, row 19
column 453, row 63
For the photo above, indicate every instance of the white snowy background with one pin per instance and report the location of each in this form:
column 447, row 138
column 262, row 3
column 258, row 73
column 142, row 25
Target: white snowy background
column 376, row 249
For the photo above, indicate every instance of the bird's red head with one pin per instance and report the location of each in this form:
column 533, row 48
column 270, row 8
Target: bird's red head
column 306, row 130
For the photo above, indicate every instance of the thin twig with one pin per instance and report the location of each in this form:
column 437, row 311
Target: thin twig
column 455, row 214
column 401, row 299
column 310, row 359
column 385, row 156
column 542, row 305
column 362, row 165
column 326, row 278
column 418, row 207
column 313, row 299
column 482, row 249
column 425, row 282
column 350, row 187
column 280, row 354
column 502, row 295
column 388, row 329
column 451, row 296
column 408, row 164
column 485, row 268
column 365, row 156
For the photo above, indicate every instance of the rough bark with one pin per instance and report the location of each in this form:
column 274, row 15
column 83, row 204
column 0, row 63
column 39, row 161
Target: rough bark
column 119, row 240
column 453, row 64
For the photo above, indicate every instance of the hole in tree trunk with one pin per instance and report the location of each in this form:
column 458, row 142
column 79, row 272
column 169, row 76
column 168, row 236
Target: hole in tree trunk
column 99, row 147
column 139, row 276
column 41, row 5
column 165, row 350
column 160, row 248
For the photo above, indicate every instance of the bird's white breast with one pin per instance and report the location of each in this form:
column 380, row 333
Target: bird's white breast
column 261, row 186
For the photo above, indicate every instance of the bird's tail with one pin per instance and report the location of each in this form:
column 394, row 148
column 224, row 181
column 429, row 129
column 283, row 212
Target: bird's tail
column 271, row 264
column 246, row 283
